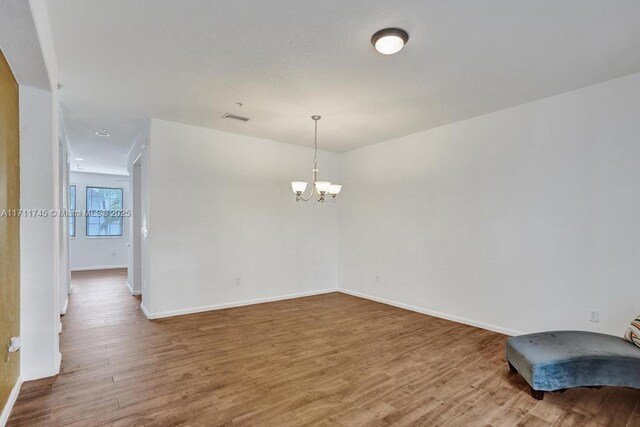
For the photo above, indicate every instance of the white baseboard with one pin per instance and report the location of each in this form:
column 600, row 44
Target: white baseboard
column 132, row 292
column 146, row 312
column 451, row 317
column 433, row 313
column 181, row 312
column 102, row 267
column 66, row 305
column 13, row 396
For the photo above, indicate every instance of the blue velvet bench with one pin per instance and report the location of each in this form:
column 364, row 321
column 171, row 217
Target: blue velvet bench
column 556, row 361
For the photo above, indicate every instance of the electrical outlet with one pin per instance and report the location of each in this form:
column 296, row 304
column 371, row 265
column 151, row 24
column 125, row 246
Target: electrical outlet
column 237, row 281
column 378, row 279
column 594, row 316
column 14, row 345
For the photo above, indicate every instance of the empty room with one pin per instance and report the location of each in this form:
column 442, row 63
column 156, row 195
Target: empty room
column 335, row 213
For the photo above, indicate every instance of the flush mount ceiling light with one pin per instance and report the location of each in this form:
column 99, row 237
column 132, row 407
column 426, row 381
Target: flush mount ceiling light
column 103, row 133
column 389, row 40
column 319, row 188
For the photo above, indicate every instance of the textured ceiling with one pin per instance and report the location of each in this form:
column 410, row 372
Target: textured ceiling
column 190, row 61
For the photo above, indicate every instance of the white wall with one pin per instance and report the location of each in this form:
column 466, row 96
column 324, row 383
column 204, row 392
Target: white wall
column 521, row 220
column 221, row 208
column 39, row 236
column 91, row 253
column 64, row 177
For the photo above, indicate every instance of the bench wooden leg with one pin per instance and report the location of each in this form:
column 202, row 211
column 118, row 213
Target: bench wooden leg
column 537, row 394
column 512, row 368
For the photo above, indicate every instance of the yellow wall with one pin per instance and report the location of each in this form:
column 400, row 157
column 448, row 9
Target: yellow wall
column 9, row 229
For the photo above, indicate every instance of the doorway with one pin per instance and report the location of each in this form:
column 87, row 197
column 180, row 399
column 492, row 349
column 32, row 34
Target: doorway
column 136, row 225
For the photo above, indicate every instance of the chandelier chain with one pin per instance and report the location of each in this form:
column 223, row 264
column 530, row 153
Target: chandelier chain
column 315, row 145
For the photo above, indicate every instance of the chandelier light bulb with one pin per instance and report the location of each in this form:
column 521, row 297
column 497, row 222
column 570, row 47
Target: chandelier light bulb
column 323, row 186
column 334, row 189
column 298, row 187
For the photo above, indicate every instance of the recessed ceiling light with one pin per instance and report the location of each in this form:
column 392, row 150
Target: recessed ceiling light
column 389, row 40
column 103, row 133
column 78, row 159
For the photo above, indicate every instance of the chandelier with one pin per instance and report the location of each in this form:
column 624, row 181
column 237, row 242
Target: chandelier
column 319, row 188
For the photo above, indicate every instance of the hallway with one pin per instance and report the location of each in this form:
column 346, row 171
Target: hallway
column 101, row 342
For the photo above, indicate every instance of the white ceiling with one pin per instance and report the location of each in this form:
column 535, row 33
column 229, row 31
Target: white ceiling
column 191, row 60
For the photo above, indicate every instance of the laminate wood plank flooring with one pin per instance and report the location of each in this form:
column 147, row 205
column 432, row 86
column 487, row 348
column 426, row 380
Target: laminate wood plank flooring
column 332, row 359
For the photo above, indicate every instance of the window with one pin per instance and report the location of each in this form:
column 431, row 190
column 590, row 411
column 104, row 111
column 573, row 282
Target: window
column 72, row 210
column 104, row 216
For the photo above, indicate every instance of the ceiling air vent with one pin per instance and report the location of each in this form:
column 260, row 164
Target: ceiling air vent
column 235, row 117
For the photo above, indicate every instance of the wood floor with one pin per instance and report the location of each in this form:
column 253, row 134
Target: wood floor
column 323, row 360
